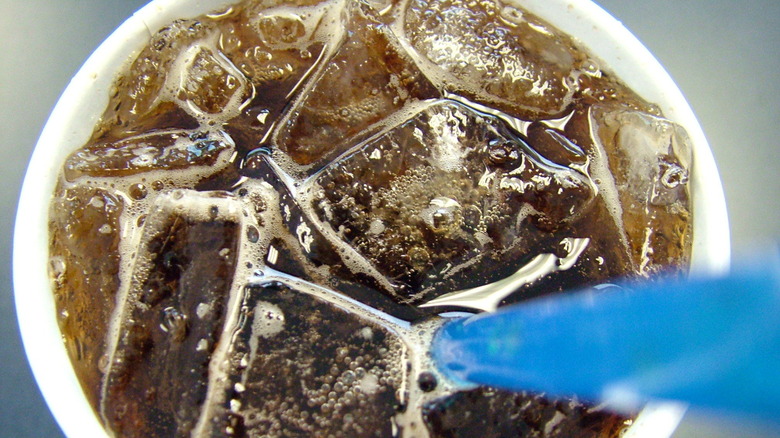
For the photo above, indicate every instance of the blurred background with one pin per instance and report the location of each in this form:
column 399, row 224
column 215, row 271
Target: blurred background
column 723, row 54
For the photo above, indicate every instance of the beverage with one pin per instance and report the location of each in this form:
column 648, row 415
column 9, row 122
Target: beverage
column 281, row 199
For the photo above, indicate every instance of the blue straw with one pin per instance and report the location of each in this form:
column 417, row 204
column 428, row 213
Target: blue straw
column 713, row 342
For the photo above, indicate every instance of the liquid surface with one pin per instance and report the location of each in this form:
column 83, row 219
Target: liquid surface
column 283, row 198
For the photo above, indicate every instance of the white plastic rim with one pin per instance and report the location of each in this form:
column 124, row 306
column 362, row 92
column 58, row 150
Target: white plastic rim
column 85, row 98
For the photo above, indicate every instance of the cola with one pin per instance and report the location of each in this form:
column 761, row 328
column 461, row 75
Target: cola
column 284, row 199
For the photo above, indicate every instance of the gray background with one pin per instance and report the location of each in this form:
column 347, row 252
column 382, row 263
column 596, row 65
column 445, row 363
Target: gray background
column 724, row 54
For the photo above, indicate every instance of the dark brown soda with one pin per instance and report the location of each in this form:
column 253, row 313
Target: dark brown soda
column 276, row 189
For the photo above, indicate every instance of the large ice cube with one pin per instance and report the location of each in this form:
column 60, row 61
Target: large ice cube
column 85, row 221
column 439, row 193
column 299, row 365
column 649, row 158
column 141, row 100
column 171, row 315
column 209, row 84
column 515, row 62
column 277, row 48
column 366, row 80
column 297, row 247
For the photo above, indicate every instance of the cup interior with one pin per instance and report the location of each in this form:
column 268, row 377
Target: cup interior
column 85, row 98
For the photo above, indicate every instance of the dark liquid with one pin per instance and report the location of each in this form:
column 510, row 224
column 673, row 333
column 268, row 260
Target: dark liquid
column 244, row 246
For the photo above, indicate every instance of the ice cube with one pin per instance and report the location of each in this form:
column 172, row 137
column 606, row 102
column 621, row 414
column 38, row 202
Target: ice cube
column 168, row 150
column 85, row 221
column 300, row 365
column 515, row 63
column 439, row 193
column 172, row 315
column 209, row 84
column 492, row 413
column 277, row 48
column 649, row 158
column 369, row 78
column 138, row 98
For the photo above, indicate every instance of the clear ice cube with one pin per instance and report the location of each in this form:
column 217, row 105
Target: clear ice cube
column 515, row 62
column 277, row 49
column 649, row 158
column 434, row 194
column 85, row 221
column 300, row 248
column 143, row 97
column 167, row 150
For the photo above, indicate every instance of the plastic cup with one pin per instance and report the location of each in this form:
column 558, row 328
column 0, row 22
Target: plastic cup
column 85, row 98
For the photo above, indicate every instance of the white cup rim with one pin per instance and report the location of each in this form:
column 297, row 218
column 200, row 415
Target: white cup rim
column 595, row 28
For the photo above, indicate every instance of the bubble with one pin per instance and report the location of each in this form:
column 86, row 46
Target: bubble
column 442, row 215
column 369, row 384
column 442, row 218
column 268, row 321
column 103, row 363
column 57, row 266
column 502, row 152
column 252, row 234
column 472, row 216
column 511, row 15
column 674, row 176
column 368, row 334
column 341, row 353
column 138, row 191
column 174, row 323
column 202, row 310
column 229, row 42
column 591, row 68
column 427, row 381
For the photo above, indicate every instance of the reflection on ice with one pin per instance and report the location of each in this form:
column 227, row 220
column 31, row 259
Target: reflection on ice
column 487, row 298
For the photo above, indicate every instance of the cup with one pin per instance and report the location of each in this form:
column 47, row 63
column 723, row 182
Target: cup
column 85, row 98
